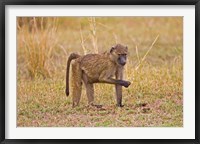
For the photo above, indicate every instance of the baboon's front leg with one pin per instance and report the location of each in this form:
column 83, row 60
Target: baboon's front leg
column 76, row 83
column 118, row 88
column 110, row 80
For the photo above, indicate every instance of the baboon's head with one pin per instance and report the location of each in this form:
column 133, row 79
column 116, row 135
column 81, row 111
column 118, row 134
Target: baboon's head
column 119, row 54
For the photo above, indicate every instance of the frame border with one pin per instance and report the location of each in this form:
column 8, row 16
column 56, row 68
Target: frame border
column 3, row 4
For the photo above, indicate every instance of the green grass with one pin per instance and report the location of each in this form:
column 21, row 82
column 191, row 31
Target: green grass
column 154, row 99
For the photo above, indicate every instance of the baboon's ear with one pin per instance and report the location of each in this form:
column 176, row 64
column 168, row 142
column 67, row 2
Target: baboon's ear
column 111, row 50
column 126, row 47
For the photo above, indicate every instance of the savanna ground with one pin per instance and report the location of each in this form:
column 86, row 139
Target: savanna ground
column 155, row 69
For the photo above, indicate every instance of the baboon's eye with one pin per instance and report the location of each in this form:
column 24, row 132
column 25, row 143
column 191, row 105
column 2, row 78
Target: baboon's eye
column 122, row 54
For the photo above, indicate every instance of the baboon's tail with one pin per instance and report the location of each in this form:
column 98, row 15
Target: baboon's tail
column 71, row 57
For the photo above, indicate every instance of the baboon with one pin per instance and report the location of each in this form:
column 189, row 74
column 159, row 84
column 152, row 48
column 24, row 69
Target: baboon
column 97, row 68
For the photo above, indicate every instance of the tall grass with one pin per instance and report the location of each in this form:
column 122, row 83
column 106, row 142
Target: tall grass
column 92, row 35
column 38, row 37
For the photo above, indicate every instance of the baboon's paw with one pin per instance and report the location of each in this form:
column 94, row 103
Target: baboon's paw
column 67, row 92
column 126, row 84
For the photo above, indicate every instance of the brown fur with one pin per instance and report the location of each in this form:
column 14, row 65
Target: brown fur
column 97, row 68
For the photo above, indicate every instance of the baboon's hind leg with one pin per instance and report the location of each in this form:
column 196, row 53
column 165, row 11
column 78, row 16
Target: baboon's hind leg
column 76, row 83
column 89, row 91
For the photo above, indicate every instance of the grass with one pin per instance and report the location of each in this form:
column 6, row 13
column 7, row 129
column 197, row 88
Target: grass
column 154, row 99
column 38, row 40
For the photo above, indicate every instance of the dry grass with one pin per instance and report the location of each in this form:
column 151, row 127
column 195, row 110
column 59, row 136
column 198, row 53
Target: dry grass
column 37, row 37
column 155, row 68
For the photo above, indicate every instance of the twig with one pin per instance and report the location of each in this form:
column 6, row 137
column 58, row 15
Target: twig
column 82, row 42
column 136, row 49
column 146, row 53
column 92, row 23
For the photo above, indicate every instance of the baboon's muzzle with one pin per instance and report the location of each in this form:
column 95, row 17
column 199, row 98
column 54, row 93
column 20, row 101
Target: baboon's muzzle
column 122, row 60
